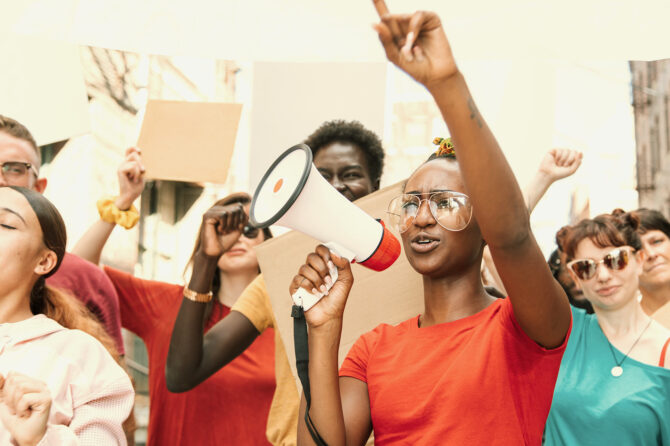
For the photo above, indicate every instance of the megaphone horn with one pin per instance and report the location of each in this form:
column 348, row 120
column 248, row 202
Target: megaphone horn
column 293, row 194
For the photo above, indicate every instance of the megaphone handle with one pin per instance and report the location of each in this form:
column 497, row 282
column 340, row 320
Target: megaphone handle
column 307, row 300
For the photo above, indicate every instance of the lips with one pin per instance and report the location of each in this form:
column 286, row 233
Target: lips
column 424, row 243
column 236, row 252
column 608, row 290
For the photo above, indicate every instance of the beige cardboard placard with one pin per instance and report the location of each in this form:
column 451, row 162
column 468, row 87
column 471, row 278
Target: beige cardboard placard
column 303, row 96
column 390, row 296
column 42, row 86
column 188, row 141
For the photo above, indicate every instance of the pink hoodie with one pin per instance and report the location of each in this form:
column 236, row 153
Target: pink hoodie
column 91, row 393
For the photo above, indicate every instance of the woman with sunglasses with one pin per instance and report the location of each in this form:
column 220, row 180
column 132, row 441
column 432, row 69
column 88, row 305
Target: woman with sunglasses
column 614, row 383
column 470, row 369
column 231, row 406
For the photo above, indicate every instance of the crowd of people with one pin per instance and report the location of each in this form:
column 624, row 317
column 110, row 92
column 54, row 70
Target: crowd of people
column 510, row 348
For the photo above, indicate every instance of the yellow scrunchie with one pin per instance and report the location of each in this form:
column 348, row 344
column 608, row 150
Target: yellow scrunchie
column 110, row 213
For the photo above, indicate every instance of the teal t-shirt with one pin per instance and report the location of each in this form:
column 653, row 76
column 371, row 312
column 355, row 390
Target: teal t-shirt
column 592, row 407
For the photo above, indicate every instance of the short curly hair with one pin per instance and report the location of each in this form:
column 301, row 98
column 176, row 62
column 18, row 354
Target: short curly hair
column 352, row 132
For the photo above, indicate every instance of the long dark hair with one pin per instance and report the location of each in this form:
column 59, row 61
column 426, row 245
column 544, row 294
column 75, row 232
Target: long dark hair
column 55, row 304
column 54, row 237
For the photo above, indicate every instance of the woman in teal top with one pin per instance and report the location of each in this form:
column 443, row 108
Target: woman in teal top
column 613, row 386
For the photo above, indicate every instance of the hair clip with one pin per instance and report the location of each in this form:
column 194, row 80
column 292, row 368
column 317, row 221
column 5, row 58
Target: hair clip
column 445, row 147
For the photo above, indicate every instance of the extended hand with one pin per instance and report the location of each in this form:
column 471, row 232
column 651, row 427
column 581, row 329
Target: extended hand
column 131, row 178
column 560, row 163
column 24, row 407
column 314, row 275
column 416, row 43
column 221, row 228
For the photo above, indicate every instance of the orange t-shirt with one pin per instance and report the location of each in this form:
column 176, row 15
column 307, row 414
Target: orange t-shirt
column 477, row 380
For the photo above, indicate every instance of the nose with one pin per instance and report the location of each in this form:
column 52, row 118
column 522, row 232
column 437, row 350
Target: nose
column 603, row 273
column 337, row 183
column 424, row 217
column 649, row 252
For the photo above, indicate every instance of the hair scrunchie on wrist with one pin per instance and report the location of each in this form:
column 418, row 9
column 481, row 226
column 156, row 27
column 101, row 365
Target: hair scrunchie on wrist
column 110, row 213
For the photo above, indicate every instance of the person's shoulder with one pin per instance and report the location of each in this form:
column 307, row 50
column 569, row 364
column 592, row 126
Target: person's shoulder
column 390, row 330
column 72, row 262
column 76, row 343
column 92, row 365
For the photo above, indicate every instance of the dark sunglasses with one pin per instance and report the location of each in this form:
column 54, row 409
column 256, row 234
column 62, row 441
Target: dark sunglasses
column 615, row 260
column 250, row 232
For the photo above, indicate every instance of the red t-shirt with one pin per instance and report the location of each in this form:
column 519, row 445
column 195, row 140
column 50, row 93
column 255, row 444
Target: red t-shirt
column 90, row 285
column 478, row 380
column 229, row 408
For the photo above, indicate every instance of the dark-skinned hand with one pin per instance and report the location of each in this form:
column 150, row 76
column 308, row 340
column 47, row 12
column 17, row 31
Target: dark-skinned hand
column 314, row 275
column 416, row 43
column 222, row 227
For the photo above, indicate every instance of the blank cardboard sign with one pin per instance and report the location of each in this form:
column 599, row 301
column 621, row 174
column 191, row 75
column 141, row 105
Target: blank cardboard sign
column 188, row 141
column 42, row 86
column 290, row 100
column 390, row 296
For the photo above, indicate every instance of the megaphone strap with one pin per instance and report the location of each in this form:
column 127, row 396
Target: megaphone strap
column 302, row 365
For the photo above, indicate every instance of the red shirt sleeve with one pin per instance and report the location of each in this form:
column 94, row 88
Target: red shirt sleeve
column 143, row 302
column 355, row 365
column 93, row 288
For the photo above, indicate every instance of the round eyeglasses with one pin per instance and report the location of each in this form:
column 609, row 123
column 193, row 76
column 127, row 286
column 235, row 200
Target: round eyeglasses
column 451, row 210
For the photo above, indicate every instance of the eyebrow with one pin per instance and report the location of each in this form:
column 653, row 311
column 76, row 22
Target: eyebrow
column 11, row 211
column 348, row 166
column 432, row 191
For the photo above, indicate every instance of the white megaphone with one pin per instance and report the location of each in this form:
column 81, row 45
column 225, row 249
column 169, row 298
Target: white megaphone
column 293, row 194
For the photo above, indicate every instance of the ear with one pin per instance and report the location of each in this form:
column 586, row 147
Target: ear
column 47, row 263
column 40, row 185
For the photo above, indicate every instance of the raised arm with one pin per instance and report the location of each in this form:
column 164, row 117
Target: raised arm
column 194, row 356
column 418, row 45
column 555, row 165
column 131, row 184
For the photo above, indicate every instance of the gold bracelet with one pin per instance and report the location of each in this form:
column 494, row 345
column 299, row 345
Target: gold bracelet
column 110, row 213
column 197, row 297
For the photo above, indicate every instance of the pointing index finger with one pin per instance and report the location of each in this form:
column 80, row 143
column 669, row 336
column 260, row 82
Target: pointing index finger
column 385, row 15
column 380, row 6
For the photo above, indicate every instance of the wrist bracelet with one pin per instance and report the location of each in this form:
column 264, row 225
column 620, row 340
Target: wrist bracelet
column 197, row 297
column 110, row 213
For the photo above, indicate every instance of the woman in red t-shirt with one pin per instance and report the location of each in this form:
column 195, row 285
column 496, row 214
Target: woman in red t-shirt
column 471, row 369
column 231, row 406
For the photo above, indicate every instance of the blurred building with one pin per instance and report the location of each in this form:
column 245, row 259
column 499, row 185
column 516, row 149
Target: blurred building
column 651, row 88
